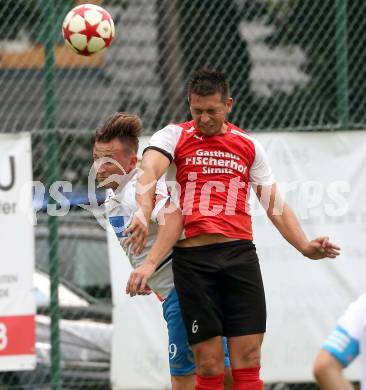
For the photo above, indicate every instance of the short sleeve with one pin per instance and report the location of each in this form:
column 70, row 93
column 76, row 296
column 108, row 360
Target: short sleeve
column 342, row 346
column 354, row 319
column 260, row 172
column 344, row 342
column 165, row 141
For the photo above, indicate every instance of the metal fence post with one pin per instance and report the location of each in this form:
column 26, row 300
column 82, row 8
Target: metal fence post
column 342, row 63
column 52, row 176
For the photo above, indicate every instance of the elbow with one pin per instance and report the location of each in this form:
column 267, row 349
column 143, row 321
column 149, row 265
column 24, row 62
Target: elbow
column 270, row 214
column 179, row 224
column 325, row 366
column 172, row 221
column 320, row 369
column 273, row 217
column 277, row 210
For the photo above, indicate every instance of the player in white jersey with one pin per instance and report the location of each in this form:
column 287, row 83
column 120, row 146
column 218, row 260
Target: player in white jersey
column 115, row 161
column 343, row 345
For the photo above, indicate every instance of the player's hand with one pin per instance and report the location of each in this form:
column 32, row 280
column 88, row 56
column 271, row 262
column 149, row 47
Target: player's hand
column 147, row 291
column 321, row 248
column 139, row 277
column 137, row 233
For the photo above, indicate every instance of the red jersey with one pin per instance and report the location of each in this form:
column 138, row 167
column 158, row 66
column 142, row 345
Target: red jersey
column 214, row 174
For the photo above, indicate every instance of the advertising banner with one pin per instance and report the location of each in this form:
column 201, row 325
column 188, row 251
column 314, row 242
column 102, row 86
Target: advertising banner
column 140, row 358
column 17, row 301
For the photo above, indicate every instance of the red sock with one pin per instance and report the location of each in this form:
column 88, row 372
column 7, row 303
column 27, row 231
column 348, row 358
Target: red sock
column 210, row 382
column 247, row 379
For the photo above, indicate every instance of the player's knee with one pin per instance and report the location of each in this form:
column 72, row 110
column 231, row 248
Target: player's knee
column 250, row 356
column 210, row 365
column 186, row 382
column 209, row 357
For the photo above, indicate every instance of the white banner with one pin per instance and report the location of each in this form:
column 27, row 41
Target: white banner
column 17, row 301
column 140, row 357
column 322, row 177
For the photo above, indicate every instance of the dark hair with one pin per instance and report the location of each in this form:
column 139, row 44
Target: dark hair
column 124, row 126
column 206, row 82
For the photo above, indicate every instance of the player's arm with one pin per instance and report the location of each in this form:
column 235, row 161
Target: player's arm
column 280, row 213
column 286, row 222
column 169, row 231
column 154, row 164
column 340, row 349
column 328, row 372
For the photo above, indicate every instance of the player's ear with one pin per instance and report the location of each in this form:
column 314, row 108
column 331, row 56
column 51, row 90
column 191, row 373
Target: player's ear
column 133, row 160
column 229, row 104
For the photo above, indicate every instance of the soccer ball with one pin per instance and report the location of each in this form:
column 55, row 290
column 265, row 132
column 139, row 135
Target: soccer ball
column 88, row 29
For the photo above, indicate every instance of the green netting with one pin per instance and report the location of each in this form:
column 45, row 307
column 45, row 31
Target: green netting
column 291, row 64
column 294, row 64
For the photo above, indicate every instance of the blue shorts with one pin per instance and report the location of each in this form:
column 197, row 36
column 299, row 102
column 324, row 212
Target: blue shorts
column 181, row 360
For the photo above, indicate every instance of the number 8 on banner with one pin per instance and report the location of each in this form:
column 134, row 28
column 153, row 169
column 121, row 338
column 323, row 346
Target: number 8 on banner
column 3, row 336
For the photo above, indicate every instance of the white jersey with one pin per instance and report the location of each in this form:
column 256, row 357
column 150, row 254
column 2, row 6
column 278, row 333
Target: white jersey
column 348, row 340
column 120, row 208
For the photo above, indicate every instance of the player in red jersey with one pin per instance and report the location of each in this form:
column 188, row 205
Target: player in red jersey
column 216, row 269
